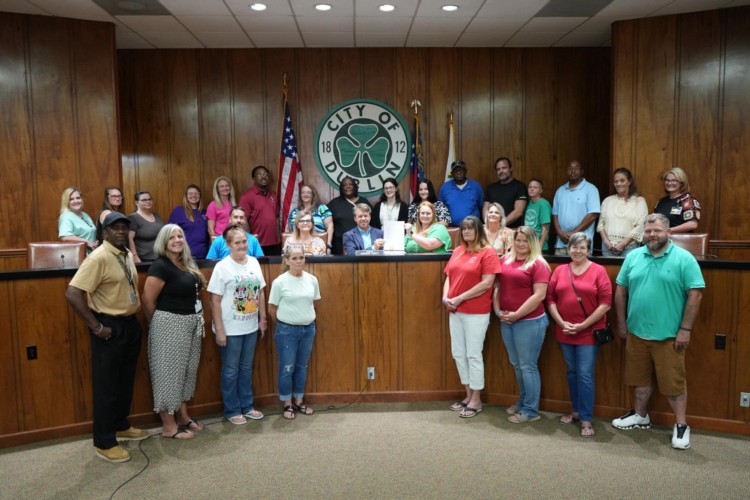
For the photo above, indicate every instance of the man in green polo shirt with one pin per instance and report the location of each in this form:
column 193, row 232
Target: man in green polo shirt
column 110, row 279
column 659, row 291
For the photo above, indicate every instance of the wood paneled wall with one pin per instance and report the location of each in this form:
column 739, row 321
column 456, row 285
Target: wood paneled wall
column 680, row 98
column 192, row 115
column 407, row 341
column 58, row 122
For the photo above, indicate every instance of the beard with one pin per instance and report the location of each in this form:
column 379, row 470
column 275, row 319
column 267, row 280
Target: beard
column 657, row 244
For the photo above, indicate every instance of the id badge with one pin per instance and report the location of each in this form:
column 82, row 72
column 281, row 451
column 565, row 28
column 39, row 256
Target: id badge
column 198, row 306
column 133, row 298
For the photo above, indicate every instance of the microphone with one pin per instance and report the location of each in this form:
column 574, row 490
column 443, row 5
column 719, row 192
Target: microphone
column 62, row 258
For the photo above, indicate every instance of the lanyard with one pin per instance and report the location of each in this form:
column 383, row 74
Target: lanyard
column 128, row 273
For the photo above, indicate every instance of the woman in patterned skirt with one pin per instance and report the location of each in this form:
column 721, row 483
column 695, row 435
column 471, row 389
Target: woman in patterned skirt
column 172, row 304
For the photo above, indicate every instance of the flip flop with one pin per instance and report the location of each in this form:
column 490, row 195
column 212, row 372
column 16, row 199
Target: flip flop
column 520, row 418
column 458, row 406
column 192, row 421
column 587, row 431
column 512, row 410
column 569, row 419
column 181, row 430
column 469, row 412
column 253, row 414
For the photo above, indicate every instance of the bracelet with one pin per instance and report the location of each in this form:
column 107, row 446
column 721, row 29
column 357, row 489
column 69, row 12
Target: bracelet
column 686, row 329
column 101, row 327
column 262, row 321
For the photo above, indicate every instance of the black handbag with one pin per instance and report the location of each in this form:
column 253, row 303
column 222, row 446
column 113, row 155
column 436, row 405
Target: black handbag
column 601, row 336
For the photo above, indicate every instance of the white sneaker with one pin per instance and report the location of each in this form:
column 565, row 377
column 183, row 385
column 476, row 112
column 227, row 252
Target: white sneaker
column 681, row 437
column 631, row 420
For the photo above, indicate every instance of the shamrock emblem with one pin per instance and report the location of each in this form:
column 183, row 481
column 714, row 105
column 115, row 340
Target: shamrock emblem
column 360, row 143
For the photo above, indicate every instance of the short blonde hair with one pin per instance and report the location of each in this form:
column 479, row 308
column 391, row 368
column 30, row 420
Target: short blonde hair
column 502, row 213
column 681, row 176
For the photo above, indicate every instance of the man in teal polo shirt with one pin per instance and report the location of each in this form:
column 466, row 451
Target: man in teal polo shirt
column 659, row 291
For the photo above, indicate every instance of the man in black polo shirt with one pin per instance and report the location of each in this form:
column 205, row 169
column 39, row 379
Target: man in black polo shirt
column 110, row 278
column 510, row 193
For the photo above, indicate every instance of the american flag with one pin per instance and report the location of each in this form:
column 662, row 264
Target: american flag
column 290, row 170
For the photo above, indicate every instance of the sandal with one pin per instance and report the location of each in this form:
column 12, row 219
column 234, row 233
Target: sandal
column 512, row 409
column 520, row 418
column 569, row 419
column 587, row 431
column 303, row 409
column 290, row 410
column 254, row 414
column 469, row 412
column 193, row 425
column 180, row 431
column 458, row 406
column 237, row 420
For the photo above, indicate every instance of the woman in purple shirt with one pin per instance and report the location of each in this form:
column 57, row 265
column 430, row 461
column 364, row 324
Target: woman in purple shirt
column 191, row 217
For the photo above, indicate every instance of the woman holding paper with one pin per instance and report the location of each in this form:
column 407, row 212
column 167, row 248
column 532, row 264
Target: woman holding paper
column 427, row 235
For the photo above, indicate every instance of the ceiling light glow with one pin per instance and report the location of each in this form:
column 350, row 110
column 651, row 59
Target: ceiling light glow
column 258, row 6
column 322, row 7
column 450, row 8
column 386, row 8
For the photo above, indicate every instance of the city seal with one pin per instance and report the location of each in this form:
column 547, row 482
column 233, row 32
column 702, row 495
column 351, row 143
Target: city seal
column 365, row 140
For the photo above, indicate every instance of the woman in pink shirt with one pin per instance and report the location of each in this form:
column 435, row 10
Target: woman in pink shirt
column 220, row 208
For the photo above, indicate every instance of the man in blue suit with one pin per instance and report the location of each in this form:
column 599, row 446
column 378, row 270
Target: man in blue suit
column 362, row 237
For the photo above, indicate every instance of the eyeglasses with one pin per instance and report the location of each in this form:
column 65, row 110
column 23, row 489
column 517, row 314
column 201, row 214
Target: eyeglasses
column 305, row 221
column 115, row 196
column 671, row 181
column 389, row 188
column 147, row 200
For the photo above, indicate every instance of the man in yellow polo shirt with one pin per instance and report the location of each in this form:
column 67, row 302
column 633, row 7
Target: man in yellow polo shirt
column 109, row 277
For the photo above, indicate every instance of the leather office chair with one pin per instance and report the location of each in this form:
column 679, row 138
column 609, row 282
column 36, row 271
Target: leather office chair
column 285, row 236
column 52, row 254
column 695, row 243
column 455, row 234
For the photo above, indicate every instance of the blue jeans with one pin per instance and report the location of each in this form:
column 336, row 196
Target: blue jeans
column 237, row 373
column 294, row 344
column 581, row 361
column 523, row 340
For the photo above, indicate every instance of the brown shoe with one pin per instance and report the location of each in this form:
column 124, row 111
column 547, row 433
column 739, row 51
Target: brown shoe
column 114, row 454
column 132, row 434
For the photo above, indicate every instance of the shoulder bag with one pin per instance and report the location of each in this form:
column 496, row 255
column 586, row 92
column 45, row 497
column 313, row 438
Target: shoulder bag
column 601, row 336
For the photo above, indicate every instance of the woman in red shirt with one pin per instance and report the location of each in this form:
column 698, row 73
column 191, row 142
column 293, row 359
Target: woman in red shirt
column 519, row 303
column 467, row 295
column 576, row 322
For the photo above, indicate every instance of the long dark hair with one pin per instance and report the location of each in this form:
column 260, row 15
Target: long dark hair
column 632, row 190
column 431, row 196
